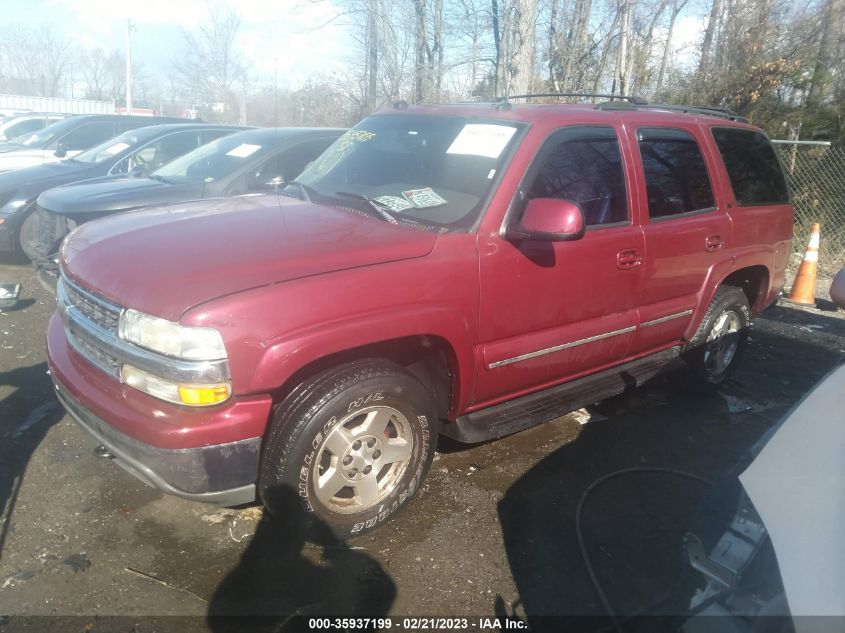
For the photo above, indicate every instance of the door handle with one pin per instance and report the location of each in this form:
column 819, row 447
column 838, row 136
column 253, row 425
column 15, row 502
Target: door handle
column 629, row 258
column 713, row 243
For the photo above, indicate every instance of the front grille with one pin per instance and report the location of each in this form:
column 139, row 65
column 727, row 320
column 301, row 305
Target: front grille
column 88, row 321
column 89, row 351
column 92, row 307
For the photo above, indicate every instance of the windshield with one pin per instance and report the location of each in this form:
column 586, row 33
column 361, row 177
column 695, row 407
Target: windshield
column 213, row 160
column 110, row 148
column 430, row 169
column 43, row 137
column 34, row 139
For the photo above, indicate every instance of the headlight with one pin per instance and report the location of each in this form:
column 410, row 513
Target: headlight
column 14, row 205
column 196, row 395
column 166, row 337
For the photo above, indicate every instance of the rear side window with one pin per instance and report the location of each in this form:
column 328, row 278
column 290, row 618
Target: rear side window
column 754, row 170
column 675, row 173
column 583, row 164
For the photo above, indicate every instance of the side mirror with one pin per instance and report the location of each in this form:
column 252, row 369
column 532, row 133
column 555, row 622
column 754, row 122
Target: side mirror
column 276, row 183
column 549, row 220
column 61, row 150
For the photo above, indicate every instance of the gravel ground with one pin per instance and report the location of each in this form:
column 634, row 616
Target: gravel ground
column 491, row 533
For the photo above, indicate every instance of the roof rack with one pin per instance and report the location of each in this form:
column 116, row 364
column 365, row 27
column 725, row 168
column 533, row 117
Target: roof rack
column 722, row 113
column 585, row 95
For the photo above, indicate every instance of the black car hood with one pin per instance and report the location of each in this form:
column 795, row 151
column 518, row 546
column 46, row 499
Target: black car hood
column 111, row 196
column 45, row 176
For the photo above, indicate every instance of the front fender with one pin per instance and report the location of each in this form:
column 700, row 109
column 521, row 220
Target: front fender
column 283, row 358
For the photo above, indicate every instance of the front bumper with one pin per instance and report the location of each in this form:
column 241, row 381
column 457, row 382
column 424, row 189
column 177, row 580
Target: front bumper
column 205, row 454
column 7, row 236
column 223, row 474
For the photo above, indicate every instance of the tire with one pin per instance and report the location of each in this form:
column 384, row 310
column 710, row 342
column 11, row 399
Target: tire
column 713, row 352
column 319, row 445
column 41, row 235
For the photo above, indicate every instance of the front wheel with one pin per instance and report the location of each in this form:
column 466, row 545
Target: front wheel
column 713, row 353
column 41, row 235
column 355, row 442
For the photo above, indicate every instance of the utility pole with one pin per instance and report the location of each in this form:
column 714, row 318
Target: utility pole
column 128, row 66
column 276, row 91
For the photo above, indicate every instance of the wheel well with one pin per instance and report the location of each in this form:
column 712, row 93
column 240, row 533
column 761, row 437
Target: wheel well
column 754, row 282
column 430, row 359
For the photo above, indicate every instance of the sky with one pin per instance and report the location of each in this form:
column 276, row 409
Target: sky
column 301, row 37
column 296, row 38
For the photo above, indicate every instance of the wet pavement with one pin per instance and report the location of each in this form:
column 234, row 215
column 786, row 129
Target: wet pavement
column 492, row 532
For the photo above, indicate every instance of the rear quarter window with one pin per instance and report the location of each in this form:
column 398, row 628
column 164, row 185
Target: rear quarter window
column 753, row 168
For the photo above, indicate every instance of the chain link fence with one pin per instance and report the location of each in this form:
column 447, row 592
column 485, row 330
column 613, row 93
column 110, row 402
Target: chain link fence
column 816, row 174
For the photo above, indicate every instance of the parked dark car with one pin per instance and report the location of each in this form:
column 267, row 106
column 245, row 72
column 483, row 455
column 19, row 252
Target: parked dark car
column 140, row 150
column 70, row 136
column 252, row 161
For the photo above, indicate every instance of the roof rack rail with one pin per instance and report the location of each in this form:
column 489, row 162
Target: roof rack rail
column 586, row 95
column 722, row 113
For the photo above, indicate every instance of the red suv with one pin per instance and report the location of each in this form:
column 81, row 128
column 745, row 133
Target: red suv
column 469, row 270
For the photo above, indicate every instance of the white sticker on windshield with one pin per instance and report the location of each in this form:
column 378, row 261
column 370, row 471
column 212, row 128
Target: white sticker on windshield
column 114, row 149
column 394, row 203
column 479, row 139
column 422, row 198
column 243, row 150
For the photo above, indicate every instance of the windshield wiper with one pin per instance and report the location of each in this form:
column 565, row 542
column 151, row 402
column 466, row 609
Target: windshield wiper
column 382, row 213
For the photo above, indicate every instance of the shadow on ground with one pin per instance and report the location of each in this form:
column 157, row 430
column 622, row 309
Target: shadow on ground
column 281, row 576
column 25, row 417
column 633, row 525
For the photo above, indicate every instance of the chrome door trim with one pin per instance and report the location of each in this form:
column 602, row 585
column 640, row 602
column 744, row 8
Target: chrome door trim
column 668, row 317
column 558, row 348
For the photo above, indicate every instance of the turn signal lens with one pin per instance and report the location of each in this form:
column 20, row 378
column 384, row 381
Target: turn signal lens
column 204, row 395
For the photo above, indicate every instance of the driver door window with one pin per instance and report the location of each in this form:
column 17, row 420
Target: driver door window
column 285, row 166
column 88, row 135
column 584, row 165
column 168, row 148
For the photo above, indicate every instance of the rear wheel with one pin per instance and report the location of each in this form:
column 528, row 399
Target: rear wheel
column 713, row 352
column 355, row 442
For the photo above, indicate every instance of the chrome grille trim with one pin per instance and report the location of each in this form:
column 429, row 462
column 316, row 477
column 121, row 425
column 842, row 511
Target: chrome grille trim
column 102, row 312
column 103, row 348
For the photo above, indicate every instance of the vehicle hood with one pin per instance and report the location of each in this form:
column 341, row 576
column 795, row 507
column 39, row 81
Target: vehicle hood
column 5, row 148
column 49, row 174
column 104, row 196
column 166, row 260
column 24, row 157
column 797, row 483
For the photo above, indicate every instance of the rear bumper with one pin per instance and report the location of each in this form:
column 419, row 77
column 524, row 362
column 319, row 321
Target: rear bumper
column 222, row 474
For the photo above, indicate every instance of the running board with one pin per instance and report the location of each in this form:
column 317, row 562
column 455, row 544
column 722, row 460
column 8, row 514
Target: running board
column 546, row 405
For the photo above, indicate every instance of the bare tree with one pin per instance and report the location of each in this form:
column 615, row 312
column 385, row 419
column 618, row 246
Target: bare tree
column 209, row 65
column 517, row 26
column 833, row 23
column 39, row 61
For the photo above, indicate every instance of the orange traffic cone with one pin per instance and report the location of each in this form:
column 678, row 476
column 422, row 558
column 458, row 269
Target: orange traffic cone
column 803, row 290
